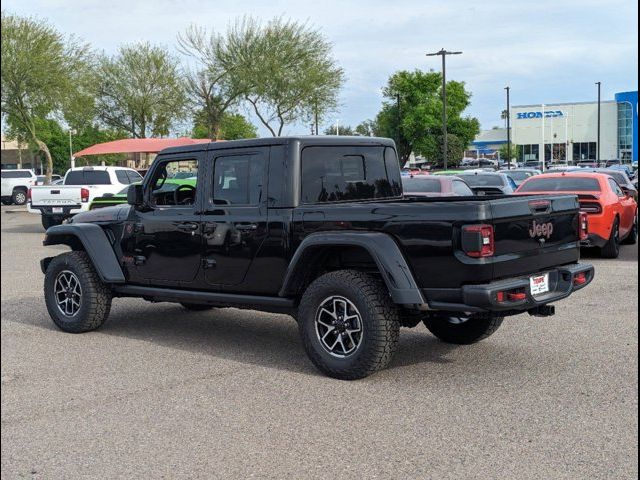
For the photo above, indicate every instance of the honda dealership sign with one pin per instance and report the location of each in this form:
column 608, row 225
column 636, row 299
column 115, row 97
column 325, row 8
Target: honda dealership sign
column 547, row 114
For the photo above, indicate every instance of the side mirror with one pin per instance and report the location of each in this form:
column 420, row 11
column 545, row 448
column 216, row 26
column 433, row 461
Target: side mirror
column 626, row 191
column 134, row 195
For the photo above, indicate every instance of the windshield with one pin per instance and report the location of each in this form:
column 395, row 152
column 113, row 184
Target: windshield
column 520, row 176
column 483, row 180
column 87, row 177
column 428, row 185
column 561, row 184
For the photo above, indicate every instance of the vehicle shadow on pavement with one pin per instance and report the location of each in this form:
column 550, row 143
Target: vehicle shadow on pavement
column 27, row 228
column 244, row 336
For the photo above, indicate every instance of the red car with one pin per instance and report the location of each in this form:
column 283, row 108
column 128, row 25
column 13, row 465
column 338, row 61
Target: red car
column 436, row 186
column 611, row 211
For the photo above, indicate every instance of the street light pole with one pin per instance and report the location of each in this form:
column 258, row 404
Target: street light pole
column 443, row 53
column 508, row 89
column 71, row 159
column 599, row 84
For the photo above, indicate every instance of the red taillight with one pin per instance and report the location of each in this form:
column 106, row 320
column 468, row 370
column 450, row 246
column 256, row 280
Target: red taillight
column 84, row 195
column 580, row 278
column 592, row 208
column 478, row 240
column 29, row 195
column 511, row 296
column 584, row 226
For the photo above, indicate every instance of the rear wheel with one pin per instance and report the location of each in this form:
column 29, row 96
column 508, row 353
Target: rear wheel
column 348, row 324
column 462, row 330
column 632, row 239
column 19, row 196
column 48, row 221
column 612, row 247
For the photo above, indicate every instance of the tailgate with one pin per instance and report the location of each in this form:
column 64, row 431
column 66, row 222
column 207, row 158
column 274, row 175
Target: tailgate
column 55, row 196
column 535, row 232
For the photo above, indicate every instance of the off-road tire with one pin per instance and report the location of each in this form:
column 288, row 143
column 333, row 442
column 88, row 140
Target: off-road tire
column 19, row 196
column 48, row 222
column 632, row 238
column 612, row 247
column 476, row 328
column 379, row 320
column 96, row 296
column 196, row 307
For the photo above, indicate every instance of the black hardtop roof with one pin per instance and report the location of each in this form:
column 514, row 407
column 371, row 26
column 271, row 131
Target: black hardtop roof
column 304, row 141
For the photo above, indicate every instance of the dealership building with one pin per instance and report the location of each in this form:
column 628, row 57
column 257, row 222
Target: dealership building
column 569, row 131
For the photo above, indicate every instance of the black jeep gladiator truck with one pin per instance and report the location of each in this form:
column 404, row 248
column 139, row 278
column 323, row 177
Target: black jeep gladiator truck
column 318, row 228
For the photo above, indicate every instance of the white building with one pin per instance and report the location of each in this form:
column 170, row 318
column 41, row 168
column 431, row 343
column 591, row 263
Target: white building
column 569, row 131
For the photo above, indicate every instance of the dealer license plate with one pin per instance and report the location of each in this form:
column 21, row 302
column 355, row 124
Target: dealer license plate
column 57, row 210
column 539, row 284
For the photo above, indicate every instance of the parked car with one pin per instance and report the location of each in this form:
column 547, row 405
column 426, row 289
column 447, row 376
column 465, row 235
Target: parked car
column 612, row 214
column 435, row 186
column 519, row 175
column 15, row 185
column 587, row 164
column 618, row 175
column 56, row 203
column 317, row 227
column 40, row 179
column 489, row 183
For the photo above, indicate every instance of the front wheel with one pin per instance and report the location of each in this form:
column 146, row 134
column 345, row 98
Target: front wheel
column 348, row 324
column 612, row 247
column 76, row 298
column 462, row 330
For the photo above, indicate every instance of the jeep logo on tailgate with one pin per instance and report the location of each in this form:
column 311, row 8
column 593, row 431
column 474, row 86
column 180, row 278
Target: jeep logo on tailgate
column 541, row 230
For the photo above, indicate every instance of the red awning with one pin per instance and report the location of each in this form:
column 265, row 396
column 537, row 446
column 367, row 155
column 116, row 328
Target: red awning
column 138, row 145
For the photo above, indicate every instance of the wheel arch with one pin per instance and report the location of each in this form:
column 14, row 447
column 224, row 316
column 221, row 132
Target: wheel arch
column 91, row 239
column 367, row 250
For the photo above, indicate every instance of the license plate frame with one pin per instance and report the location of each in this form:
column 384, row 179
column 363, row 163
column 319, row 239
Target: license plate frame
column 539, row 284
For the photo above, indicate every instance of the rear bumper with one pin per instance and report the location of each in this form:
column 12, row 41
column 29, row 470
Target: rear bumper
column 484, row 298
column 67, row 211
column 594, row 241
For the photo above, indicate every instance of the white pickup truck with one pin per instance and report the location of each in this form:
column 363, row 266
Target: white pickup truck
column 16, row 184
column 81, row 185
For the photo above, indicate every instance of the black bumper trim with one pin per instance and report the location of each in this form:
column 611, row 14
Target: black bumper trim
column 483, row 298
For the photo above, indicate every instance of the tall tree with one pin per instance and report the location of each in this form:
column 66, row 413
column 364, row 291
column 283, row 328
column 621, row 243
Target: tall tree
column 412, row 115
column 232, row 126
column 41, row 72
column 208, row 86
column 285, row 70
column 343, row 130
column 141, row 90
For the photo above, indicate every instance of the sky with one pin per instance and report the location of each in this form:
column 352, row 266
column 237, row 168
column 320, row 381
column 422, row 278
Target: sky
column 546, row 51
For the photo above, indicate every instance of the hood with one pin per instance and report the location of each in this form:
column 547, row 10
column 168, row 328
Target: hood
column 115, row 213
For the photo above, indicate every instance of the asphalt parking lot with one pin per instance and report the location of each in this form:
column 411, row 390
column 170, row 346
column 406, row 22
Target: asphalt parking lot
column 159, row 392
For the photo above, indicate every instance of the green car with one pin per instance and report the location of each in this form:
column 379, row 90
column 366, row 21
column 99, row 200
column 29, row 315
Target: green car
column 121, row 197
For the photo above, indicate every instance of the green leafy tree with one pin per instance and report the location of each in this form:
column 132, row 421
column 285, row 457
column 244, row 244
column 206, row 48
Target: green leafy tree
column 345, row 130
column 412, row 115
column 505, row 154
column 141, row 91
column 284, row 69
column 208, row 86
column 368, row 128
column 43, row 73
column 232, row 126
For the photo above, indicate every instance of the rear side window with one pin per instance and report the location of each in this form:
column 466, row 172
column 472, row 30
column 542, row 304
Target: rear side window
column 122, row 177
column 336, row 174
column 238, row 180
column 561, row 184
column 425, row 185
column 87, row 177
column 616, row 188
column 462, row 189
column 134, row 177
column 16, row 174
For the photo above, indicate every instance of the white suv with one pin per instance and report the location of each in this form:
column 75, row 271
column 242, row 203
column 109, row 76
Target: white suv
column 15, row 185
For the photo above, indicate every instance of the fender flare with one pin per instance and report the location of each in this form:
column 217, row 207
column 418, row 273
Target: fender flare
column 92, row 238
column 383, row 249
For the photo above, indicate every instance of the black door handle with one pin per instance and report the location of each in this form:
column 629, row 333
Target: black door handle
column 187, row 227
